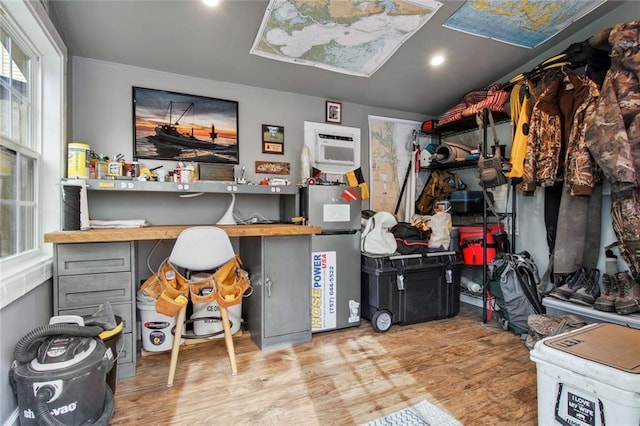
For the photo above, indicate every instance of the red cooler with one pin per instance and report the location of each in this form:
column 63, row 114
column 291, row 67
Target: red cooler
column 472, row 243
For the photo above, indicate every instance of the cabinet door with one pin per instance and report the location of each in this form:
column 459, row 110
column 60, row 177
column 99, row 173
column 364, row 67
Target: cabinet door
column 286, row 289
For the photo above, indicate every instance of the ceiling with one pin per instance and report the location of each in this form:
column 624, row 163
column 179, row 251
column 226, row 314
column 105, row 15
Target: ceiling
column 185, row 37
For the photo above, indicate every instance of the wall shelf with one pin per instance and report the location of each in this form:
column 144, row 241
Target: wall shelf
column 466, row 124
column 589, row 314
column 467, row 164
column 201, row 186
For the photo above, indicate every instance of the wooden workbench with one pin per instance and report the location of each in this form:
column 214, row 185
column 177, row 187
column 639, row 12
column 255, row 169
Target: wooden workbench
column 99, row 265
column 168, row 232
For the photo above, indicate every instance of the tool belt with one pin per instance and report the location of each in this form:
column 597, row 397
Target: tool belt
column 172, row 290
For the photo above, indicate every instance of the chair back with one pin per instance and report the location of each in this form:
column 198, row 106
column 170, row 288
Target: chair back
column 201, row 248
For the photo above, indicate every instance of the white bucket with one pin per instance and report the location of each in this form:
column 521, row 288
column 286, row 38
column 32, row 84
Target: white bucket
column 209, row 326
column 156, row 328
column 78, row 158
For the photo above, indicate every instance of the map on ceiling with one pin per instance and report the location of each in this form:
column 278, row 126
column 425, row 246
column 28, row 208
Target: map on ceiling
column 524, row 23
column 351, row 37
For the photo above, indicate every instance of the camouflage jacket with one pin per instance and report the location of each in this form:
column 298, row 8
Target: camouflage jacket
column 613, row 130
column 556, row 149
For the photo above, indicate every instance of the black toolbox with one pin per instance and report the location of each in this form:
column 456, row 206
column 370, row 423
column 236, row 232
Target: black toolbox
column 407, row 289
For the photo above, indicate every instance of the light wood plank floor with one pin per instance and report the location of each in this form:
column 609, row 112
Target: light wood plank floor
column 476, row 372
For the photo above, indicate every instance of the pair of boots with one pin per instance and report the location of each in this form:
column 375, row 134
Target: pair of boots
column 581, row 287
column 621, row 294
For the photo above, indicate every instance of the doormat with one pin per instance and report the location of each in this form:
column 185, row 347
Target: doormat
column 423, row 413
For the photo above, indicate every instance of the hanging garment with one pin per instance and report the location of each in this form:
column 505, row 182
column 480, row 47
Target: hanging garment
column 556, row 147
column 552, row 199
column 625, row 215
column 515, row 103
column 577, row 242
column 521, row 131
column 556, row 154
column 613, row 138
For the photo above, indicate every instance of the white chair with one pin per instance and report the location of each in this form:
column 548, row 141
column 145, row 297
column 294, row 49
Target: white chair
column 201, row 248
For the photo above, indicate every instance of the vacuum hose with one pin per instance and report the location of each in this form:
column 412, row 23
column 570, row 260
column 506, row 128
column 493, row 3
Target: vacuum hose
column 27, row 348
column 44, row 417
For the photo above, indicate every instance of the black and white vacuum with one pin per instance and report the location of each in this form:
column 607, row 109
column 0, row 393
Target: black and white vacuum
column 60, row 369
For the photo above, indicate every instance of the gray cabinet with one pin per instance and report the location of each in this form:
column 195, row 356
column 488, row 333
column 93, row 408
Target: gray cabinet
column 88, row 274
column 277, row 312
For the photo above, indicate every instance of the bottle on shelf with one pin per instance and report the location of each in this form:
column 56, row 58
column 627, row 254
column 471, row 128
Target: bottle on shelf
column 177, row 175
column 115, row 167
column 102, row 168
column 191, row 172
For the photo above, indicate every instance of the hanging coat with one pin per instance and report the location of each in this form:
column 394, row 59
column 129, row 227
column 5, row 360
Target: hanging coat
column 556, row 149
column 613, row 138
column 521, row 134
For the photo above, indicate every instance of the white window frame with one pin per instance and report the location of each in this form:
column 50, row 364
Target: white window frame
column 29, row 24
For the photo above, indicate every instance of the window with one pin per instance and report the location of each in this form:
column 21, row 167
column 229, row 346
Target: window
column 18, row 156
column 32, row 140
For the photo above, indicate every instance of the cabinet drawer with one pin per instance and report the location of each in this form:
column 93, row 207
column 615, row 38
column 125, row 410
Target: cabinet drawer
column 90, row 258
column 123, row 310
column 94, row 289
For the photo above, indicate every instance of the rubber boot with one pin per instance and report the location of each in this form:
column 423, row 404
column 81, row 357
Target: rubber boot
column 571, row 284
column 628, row 299
column 589, row 291
column 606, row 301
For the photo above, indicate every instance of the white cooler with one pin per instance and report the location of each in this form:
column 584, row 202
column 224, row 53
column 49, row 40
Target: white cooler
column 589, row 377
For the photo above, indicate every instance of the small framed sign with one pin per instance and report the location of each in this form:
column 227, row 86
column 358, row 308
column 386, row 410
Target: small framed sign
column 333, row 112
column 273, row 167
column 272, row 139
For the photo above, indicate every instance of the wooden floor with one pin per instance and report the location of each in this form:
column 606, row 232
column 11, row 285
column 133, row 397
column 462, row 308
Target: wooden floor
column 476, row 372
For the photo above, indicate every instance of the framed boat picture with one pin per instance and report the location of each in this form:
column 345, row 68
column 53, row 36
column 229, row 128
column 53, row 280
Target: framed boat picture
column 176, row 126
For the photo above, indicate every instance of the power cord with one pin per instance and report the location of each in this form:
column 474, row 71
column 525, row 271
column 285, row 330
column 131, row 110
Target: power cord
column 254, row 217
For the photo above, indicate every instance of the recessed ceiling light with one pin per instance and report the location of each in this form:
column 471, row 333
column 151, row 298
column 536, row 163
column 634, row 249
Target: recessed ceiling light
column 211, row 3
column 436, row 60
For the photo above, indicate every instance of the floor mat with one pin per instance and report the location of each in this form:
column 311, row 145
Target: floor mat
column 423, row 413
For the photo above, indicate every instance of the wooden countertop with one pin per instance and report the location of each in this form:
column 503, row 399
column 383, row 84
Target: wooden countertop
column 169, row 232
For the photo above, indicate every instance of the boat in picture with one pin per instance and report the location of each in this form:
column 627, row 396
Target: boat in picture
column 168, row 132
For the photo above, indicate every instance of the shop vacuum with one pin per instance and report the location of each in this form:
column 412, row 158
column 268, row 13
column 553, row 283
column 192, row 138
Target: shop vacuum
column 59, row 372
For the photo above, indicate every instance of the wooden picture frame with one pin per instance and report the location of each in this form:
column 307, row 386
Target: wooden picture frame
column 272, row 139
column 178, row 126
column 333, row 112
column 273, row 167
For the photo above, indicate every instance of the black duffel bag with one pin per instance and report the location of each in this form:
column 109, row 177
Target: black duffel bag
column 411, row 239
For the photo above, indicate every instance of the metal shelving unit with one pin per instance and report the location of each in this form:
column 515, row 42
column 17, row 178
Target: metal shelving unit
column 466, row 125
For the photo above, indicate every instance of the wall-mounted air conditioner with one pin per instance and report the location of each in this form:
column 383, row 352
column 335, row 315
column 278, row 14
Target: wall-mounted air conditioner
column 335, row 150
